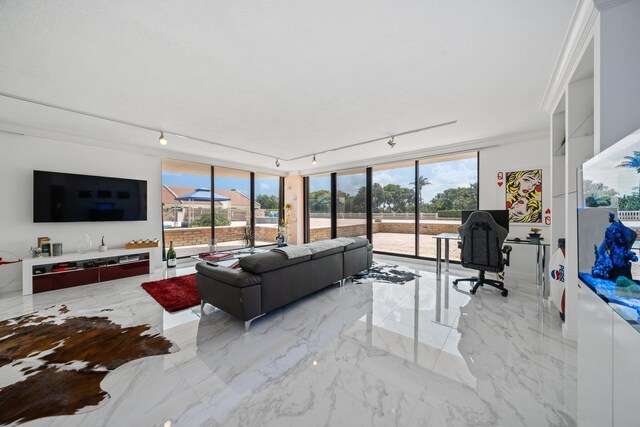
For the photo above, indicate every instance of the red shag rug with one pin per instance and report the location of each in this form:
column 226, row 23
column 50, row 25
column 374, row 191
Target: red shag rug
column 174, row 294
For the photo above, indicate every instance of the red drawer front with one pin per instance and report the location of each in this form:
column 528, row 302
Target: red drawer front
column 51, row 282
column 118, row 271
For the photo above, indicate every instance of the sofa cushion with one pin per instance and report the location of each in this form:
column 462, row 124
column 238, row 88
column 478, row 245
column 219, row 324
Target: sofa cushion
column 268, row 261
column 359, row 242
column 230, row 276
column 324, row 253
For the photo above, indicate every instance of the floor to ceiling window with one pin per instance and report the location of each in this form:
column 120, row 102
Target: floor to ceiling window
column 267, row 191
column 186, row 206
column 441, row 186
column 447, row 186
column 319, row 203
column 351, row 203
column 232, row 208
column 393, row 207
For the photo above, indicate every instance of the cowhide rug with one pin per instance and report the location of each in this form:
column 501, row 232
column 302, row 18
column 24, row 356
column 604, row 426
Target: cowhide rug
column 52, row 362
column 386, row 273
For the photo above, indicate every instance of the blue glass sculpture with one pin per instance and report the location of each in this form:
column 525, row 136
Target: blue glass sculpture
column 614, row 256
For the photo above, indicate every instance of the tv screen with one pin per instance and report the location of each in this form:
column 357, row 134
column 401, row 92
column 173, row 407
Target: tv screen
column 66, row 197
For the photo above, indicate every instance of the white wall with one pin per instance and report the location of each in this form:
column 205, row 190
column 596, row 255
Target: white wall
column 617, row 64
column 21, row 155
column 513, row 157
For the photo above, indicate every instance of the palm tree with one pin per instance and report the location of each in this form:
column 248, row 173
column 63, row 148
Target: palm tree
column 422, row 182
column 632, row 162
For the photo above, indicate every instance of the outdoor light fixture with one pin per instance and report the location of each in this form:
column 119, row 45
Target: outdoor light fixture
column 391, row 142
column 277, row 163
column 314, row 161
column 162, row 140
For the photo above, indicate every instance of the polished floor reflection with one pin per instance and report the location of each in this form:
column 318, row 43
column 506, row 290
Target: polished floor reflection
column 376, row 354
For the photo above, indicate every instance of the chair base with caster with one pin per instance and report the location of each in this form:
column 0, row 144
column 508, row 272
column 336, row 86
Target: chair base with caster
column 481, row 281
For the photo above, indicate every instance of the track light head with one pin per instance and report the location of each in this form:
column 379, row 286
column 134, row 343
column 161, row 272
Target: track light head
column 162, row 140
column 277, row 163
column 314, row 161
column 391, row 142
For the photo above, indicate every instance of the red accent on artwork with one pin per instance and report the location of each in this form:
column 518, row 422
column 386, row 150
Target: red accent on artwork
column 548, row 211
column 547, row 220
column 174, row 294
column 539, row 188
column 500, row 176
column 508, row 205
column 500, row 184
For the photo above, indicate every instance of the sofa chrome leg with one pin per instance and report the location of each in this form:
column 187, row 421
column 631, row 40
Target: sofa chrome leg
column 248, row 322
column 202, row 303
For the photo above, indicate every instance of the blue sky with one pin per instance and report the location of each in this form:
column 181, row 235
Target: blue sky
column 267, row 186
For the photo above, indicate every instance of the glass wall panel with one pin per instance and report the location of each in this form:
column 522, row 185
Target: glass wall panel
column 319, row 207
column 267, row 189
column 232, row 207
column 186, row 206
column 351, row 202
column 447, row 185
column 393, row 205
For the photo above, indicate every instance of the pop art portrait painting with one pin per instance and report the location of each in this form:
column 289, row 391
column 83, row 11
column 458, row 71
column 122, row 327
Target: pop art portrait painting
column 524, row 196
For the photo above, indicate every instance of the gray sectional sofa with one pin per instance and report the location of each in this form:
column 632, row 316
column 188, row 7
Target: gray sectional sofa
column 269, row 280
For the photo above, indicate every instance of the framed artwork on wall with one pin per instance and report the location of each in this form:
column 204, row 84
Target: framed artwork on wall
column 523, row 195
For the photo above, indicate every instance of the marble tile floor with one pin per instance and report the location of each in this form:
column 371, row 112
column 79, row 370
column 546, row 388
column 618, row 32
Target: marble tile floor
column 368, row 354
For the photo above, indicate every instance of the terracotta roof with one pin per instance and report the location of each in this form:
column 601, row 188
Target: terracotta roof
column 237, row 198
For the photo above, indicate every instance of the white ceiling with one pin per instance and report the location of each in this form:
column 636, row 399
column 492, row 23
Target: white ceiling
column 281, row 77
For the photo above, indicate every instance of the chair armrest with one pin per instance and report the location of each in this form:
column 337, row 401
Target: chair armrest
column 506, row 249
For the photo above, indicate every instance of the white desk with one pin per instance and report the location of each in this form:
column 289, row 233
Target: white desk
column 541, row 256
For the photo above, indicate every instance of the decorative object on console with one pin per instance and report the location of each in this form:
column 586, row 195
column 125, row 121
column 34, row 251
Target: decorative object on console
column 535, row 233
column 283, row 227
column 59, row 367
column 174, row 294
column 140, row 243
column 172, row 260
column 84, row 244
column 102, row 247
column 614, row 256
column 56, row 249
column 46, row 249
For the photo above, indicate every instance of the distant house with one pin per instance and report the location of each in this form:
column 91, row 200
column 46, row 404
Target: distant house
column 175, row 210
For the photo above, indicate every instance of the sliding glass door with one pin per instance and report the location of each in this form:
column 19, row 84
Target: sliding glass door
column 267, row 208
column 393, row 203
column 232, row 207
column 447, row 186
column 186, row 206
column 351, row 203
column 319, row 203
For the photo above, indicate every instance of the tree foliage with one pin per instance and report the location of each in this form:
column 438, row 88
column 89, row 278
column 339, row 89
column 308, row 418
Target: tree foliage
column 267, row 201
column 205, row 221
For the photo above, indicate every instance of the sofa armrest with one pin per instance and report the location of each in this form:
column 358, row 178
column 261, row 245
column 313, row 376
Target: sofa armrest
column 229, row 276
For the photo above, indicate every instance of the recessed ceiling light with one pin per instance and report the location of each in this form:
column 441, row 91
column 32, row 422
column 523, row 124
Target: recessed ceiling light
column 162, row 140
column 314, row 161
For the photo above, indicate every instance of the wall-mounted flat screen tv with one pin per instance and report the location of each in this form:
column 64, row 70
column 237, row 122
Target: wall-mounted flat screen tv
column 66, row 197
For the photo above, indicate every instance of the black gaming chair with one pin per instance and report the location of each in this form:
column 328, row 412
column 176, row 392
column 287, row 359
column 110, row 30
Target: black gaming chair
column 482, row 249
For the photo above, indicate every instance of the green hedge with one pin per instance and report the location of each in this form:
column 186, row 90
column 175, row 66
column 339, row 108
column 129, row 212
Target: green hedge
column 450, row 214
column 205, row 221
